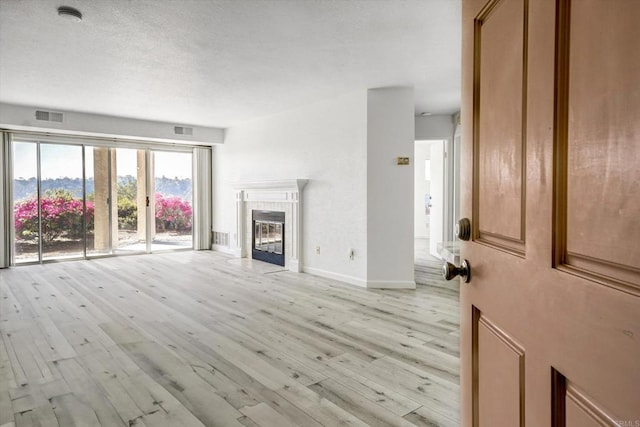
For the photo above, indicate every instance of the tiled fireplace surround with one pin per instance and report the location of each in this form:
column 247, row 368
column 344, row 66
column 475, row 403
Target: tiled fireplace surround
column 284, row 196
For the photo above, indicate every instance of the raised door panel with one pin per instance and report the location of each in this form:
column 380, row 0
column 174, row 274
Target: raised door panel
column 499, row 99
column 599, row 117
column 571, row 407
column 579, row 415
column 499, row 376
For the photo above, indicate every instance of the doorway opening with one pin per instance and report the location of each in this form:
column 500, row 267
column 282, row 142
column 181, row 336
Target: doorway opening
column 436, row 206
column 429, row 197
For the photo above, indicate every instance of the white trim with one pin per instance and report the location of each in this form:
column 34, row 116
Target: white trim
column 287, row 191
column 295, row 185
column 6, row 220
column 393, row 284
column 226, row 250
column 294, row 265
column 336, row 276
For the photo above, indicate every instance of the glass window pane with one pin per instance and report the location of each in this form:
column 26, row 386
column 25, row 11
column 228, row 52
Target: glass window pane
column 61, row 202
column 25, row 204
column 128, row 183
column 264, row 242
column 278, row 240
column 272, row 237
column 173, row 197
column 95, row 209
column 256, row 235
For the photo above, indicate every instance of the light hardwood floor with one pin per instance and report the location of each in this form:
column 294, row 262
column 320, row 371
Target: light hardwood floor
column 197, row 338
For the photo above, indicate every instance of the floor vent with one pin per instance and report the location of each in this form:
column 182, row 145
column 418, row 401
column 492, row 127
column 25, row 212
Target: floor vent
column 181, row 130
column 220, row 238
column 48, row 116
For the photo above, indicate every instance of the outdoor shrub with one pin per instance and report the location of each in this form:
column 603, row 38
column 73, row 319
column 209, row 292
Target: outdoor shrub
column 25, row 215
column 61, row 217
column 127, row 214
column 127, row 203
column 172, row 213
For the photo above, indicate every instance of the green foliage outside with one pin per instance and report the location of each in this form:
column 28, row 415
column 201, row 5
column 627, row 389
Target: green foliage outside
column 127, row 206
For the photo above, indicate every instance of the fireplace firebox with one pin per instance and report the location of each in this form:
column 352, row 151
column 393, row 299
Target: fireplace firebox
column 268, row 236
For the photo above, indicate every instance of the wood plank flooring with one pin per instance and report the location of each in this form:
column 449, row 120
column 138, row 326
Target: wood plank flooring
column 198, row 338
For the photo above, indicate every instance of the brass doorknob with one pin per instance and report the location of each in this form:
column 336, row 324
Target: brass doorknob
column 449, row 271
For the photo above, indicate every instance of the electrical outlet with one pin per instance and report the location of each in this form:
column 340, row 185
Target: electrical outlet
column 318, row 250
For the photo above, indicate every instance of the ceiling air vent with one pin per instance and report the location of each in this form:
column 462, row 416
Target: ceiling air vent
column 181, row 130
column 48, row 116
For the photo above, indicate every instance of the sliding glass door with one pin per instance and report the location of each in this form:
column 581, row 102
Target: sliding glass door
column 77, row 200
column 131, row 194
column 173, row 197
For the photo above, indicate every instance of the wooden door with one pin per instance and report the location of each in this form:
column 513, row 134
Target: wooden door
column 551, row 179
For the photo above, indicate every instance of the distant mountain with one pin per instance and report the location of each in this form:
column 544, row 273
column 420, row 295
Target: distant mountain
column 175, row 187
column 168, row 187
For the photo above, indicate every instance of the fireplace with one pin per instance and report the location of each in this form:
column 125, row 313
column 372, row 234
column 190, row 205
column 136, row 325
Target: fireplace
column 268, row 236
column 279, row 196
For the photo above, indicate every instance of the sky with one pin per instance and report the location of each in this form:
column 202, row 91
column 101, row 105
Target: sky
column 60, row 161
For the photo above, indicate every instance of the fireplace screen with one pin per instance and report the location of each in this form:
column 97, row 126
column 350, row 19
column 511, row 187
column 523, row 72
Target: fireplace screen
column 268, row 236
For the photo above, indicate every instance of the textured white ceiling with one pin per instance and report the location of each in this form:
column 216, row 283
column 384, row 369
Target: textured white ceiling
column 216, row 63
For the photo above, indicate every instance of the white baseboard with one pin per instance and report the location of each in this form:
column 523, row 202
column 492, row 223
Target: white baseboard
column 391, row 284
column 294, row 265
column 370, row 284
column 227, row 250
column 335, row 276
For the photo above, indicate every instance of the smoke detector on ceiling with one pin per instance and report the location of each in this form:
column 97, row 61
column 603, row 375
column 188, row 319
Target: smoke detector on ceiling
column 70, row 13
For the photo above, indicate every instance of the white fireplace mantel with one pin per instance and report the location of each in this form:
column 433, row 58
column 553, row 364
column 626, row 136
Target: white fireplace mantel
column 279, row 185
column 271, row 195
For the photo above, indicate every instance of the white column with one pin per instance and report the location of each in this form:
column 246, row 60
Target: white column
column 390, row 134
column 239, row 249
column 295, row 263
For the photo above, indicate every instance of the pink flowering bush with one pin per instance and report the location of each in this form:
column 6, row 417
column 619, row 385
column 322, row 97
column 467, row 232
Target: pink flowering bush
column 61, row 217
column 173, row 213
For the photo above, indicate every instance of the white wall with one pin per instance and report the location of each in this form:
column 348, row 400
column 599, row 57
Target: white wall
column 437, row 126
column 421, row 187
column 324, row 142
column 390, row 194
column 356, row 198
